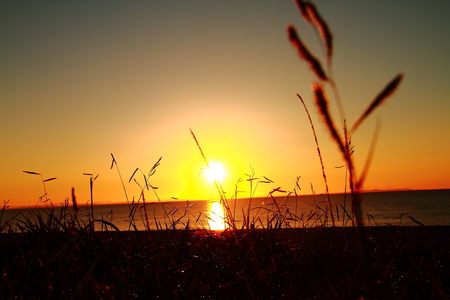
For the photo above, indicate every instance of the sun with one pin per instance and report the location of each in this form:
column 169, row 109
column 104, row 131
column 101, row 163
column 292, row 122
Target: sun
column 215, row 172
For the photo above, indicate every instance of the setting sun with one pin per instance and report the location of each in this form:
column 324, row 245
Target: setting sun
column 215, row 171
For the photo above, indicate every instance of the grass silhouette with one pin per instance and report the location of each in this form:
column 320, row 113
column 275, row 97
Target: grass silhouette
column 55, row 254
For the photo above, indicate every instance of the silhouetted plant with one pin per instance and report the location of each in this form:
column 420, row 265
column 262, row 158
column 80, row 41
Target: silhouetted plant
column 44, row 198
column 342, row 139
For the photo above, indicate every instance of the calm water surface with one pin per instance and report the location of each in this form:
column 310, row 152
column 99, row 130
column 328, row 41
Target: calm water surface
column 431, row 207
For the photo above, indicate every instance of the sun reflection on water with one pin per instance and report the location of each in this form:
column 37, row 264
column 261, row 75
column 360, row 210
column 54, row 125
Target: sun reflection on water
column 216, row 216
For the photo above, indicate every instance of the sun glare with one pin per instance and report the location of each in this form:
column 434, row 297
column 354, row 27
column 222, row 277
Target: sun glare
column 216, row 216
column 215, row 172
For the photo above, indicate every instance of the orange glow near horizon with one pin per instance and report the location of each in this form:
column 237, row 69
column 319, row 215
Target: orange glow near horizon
column 72, row 93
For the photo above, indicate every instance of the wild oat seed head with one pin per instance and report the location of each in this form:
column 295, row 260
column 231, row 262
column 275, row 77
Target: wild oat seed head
column 321, row 101
column 305, row 54
column 302, row 5
column 389, row 89
column 322, row 27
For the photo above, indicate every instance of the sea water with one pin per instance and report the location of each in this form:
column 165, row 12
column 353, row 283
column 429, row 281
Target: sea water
column 399, row 208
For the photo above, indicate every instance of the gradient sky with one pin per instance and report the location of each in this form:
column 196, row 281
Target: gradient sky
column 82, row 79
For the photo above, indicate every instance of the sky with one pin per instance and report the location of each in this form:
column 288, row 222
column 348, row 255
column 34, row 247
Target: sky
column 80, row 80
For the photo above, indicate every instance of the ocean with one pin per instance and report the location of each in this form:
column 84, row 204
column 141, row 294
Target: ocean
column 399, row 208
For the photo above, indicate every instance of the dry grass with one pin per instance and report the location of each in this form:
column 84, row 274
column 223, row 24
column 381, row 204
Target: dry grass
column 312, row 16
column 56, row 257
column 50, row 254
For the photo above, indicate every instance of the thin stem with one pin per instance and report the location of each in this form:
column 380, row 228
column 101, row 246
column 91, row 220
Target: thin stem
column 320, row 158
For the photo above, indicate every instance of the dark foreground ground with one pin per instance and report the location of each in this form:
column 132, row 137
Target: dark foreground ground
column 321, row 263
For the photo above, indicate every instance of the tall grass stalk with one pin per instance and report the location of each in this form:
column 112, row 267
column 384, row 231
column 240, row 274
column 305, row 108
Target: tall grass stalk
column 114, row 163
column 130, row 205
column 342, row 139
column 148, row 186
column 92, row 178
column 344, row 212
column 327, row 193
column 41, row 199
column 249, row 220
column 223, row 202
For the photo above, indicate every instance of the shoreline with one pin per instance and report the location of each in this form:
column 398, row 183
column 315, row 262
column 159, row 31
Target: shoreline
column 166, row 201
